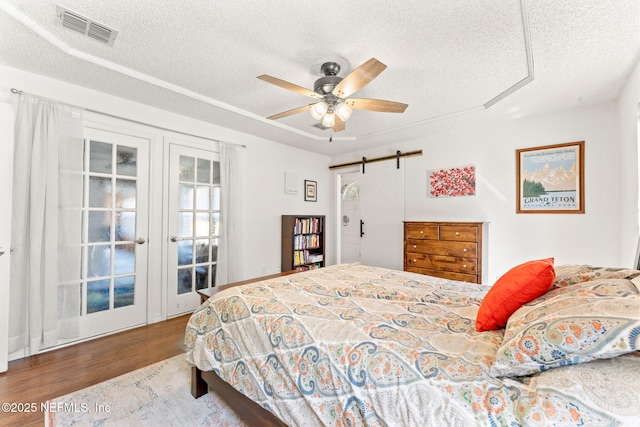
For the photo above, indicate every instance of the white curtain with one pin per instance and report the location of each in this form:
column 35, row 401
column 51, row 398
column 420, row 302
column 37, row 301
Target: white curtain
column 46, row 224
column 229, row 267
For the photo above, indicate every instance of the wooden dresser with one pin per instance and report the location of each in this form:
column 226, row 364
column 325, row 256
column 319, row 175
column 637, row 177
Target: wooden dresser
column 451, row 250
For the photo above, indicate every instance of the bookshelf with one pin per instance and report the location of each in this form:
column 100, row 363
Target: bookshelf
column 302, row 242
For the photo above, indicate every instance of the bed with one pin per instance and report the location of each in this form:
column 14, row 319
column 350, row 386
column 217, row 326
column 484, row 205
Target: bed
column 354, row 345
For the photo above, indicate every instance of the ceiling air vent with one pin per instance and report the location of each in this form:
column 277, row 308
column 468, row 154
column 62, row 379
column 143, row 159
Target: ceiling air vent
column 83, row 25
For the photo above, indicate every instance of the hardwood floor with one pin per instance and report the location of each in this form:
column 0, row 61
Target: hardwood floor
column 39, row 378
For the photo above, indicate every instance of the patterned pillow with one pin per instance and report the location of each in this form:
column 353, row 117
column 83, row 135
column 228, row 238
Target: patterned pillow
column 597, row 319
column 568, row 275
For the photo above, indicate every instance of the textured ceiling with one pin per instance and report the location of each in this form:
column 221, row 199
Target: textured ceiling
column 445, row 58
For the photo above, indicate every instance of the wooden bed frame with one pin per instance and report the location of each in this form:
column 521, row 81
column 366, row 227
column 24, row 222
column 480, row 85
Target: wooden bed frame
column 201, row 381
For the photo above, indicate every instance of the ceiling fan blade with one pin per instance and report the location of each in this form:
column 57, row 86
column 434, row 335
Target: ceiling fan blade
column 289, row 86
column 358, row 78
column 339, row 124
column 376, row 105
column 290, row 112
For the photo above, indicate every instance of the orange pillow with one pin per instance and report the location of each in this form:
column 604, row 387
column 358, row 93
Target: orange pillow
column 517, row 286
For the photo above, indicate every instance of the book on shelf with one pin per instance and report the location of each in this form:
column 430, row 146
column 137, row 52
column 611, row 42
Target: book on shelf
column 306, row 241
column 308, row 267
column 301, row 257
column 307, row 225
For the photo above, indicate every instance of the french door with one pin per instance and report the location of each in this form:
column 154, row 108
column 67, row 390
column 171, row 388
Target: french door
column 194, row 217
column 115, row 226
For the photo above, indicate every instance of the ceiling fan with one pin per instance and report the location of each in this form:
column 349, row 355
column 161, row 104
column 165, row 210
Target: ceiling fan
column 334, row 106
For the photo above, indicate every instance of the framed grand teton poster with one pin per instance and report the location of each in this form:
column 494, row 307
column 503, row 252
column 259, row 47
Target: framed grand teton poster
column 550, row 179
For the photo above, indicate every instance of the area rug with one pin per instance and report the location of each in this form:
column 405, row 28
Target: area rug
column 158, row 395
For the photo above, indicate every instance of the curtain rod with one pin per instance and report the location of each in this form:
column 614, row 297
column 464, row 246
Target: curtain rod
column 19, row 92
column 378, row 159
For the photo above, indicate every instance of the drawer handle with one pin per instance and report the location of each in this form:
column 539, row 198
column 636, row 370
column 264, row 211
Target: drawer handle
column 464, row 265
column 464, row 250
column 414, row 246
column 415, row 260
column 421, row 232
column 457, row 233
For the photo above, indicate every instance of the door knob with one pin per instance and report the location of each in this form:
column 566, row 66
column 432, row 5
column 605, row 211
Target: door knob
column 140, row 240
column 1, row 251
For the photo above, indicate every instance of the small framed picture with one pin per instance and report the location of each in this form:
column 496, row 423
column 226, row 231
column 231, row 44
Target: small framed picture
column 310, row 191
column 550, row 179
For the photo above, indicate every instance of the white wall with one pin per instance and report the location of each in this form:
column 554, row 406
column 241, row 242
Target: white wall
column 265, row 201
column 628, row 110
column 265, row 162
column 592, row 238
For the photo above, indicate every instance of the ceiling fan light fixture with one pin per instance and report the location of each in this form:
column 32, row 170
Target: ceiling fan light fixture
column 318, row 110
column 343, row 111
column 329, row 120
column 332, row 94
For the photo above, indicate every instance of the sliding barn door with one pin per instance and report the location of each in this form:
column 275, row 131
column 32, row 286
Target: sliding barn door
column 194, row 216
column 382, row 213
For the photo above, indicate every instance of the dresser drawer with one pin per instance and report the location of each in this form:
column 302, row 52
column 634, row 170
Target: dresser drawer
column 438, row 247
column 461, row 277
column 445, row 263
column 466, row 233
column 422, row 231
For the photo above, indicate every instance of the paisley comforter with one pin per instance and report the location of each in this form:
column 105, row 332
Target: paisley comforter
column 351, row 345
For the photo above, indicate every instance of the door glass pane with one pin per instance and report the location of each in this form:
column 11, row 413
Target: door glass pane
column 202, row 224
column 202, row 251
column 100, row 160
column 99, row 192
column 203, row 197
column 213, row 274
column 187, row 168
column 124, row 259
column 125, row 226
column 123, row 291
column 185, row 224
column 99, row 261
column 185, row 252
column 204, row 171
column 184, row 280
column 126, row 160
column 185, row 196
column 216, row 172
column 99, row 226
column 202, row 277
column 214, row 249
column 125, row 194
column 215, row 224
column 98, row 295
column 215, row 200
